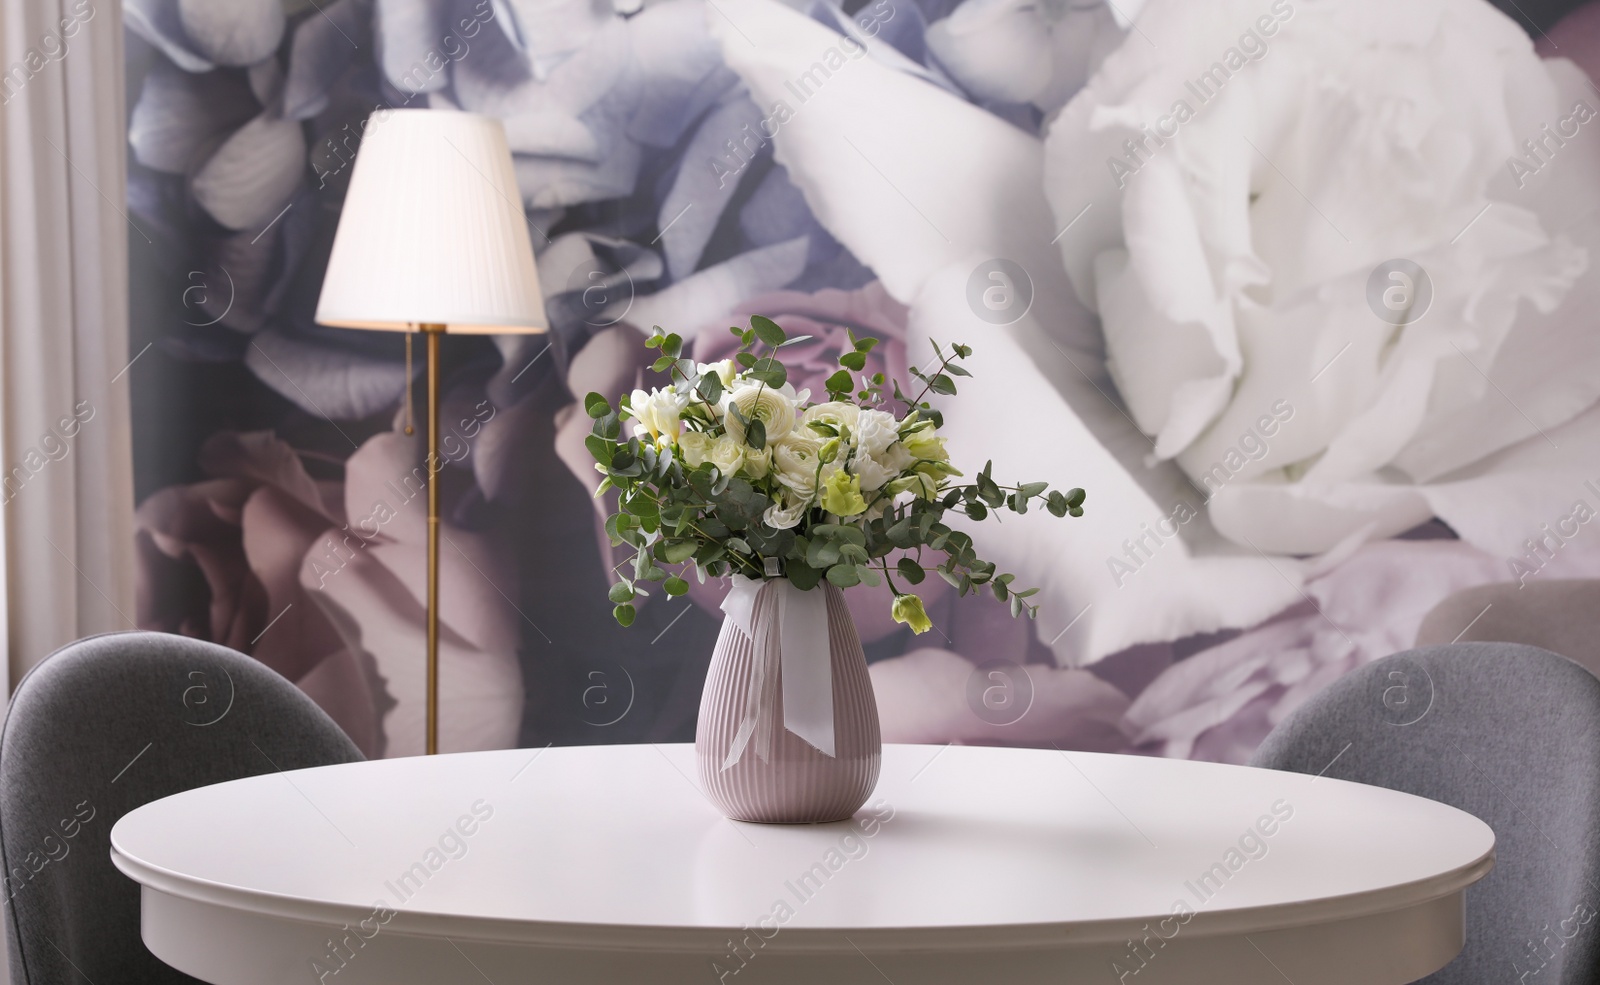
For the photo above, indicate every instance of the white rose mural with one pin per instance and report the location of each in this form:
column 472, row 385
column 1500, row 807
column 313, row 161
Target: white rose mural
column 1244, row 194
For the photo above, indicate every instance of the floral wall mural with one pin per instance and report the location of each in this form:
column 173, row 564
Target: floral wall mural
column 1300, row 291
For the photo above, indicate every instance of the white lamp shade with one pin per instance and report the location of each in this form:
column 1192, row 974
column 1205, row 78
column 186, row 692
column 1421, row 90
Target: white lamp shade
column 432, row 230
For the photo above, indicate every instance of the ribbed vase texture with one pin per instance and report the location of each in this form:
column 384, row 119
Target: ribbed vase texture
column 797, row 784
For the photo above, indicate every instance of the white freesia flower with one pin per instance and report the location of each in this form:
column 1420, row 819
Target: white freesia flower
column 658, row 413
column 724, row 368
column 1242, row 177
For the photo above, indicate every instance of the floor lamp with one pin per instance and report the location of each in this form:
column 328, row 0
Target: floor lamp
column 432, row 239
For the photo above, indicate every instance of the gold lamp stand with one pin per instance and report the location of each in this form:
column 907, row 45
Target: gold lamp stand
column 477, row 276
column 435, row 469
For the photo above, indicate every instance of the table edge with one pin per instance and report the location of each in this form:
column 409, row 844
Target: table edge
column 965, row 937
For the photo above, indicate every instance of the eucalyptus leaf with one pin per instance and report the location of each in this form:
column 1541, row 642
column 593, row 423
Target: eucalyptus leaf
column 709, row 387
column 989, row 491
column 844, row 575
column 903, row 533
column 767, row 330
column 677, row 553
column 803, row 576
column 822, row 554
column 770, row 372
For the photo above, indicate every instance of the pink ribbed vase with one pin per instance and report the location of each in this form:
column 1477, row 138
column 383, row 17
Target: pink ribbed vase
column 797, row 784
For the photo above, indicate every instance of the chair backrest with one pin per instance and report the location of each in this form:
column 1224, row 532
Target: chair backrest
column 1508, row 732
column 103, row 726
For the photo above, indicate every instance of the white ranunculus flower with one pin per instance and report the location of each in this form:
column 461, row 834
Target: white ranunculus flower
column 836, row 414
column 1236, row 182
column 776, row 409
column 658, row 413
column 795, row 458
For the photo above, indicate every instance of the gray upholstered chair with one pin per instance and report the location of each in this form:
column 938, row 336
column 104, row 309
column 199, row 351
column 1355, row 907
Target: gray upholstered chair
column 99, row 728
column 1507, row 732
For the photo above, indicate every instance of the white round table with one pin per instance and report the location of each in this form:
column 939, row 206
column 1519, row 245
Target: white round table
column 606, row 865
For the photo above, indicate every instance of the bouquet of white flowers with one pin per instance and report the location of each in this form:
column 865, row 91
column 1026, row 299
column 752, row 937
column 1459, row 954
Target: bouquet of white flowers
column 729, row 470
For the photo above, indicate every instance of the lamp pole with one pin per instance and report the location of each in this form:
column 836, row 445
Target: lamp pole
column 435, row 469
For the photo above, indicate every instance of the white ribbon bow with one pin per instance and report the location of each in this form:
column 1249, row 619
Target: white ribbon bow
column 795, row 640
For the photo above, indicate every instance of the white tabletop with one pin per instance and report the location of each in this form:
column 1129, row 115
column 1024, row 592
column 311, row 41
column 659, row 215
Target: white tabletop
column 606, row 864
